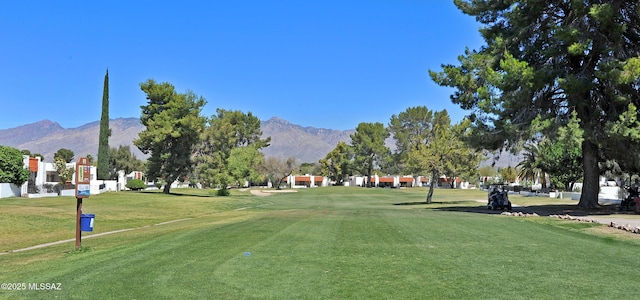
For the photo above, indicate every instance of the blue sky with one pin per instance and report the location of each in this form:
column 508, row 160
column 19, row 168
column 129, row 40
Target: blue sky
column 327, row 64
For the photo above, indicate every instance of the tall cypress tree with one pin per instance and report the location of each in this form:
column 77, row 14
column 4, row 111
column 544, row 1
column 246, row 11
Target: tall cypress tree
column 105, row 133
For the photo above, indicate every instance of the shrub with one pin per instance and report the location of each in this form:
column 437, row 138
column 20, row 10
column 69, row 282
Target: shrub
column 48, row 187
column 224, row 192
column 136, row 185
column 12, row 168
column 221, row 192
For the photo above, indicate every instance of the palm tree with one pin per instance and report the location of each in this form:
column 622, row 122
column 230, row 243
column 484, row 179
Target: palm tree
column 529, row 166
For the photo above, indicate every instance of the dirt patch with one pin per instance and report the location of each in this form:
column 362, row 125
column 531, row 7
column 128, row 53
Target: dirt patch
column 259, row 193
column 264, row 193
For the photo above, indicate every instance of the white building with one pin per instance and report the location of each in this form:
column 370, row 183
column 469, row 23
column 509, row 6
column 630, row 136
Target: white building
column 44, row 176
column 297, row 181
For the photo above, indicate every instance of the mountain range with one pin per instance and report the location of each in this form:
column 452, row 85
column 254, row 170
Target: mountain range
column 306, row 144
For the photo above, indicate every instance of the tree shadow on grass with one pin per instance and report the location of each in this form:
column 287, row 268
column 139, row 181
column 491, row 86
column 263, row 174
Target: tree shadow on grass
column 542, row 210
column 434, row 202
column 176, row 194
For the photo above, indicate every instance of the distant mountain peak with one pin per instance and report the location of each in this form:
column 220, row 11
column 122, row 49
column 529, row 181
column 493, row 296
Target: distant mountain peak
column 278, row 120
column 43, row 124
column 29, row 133
column 47, row 121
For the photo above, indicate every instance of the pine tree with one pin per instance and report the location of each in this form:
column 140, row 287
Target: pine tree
column 173, row 126
column 105, row 133
column 544, row 60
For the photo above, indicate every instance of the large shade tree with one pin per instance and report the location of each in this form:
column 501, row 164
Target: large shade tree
column 442, row 150
column 411, row 129
column 173, row 126
column 368, row 148
column 244, row 165
column 545, row 59
column 219, row 162
column 337, row 163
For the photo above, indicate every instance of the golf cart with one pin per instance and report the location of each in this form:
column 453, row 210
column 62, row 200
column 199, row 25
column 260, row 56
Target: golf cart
column 498, row 198
column 631, row 201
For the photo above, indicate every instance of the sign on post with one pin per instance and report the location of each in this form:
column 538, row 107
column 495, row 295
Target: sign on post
column 83, row 178
column 83, row 188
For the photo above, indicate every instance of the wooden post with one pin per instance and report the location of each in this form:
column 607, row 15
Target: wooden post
column 78, row 231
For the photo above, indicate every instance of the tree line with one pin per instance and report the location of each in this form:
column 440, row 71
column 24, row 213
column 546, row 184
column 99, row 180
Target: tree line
column 426, row 143
column 218, row 151
column 224, row 149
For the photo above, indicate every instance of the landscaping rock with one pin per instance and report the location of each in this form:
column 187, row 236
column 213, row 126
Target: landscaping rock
column 519, row 214
column 627, row 227
column 568, row 217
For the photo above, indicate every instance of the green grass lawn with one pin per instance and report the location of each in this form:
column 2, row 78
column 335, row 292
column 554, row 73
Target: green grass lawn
column 41, row 220
column 322, row 243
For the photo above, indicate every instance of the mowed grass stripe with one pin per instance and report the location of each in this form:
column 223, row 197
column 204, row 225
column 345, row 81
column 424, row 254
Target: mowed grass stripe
column 291, row 263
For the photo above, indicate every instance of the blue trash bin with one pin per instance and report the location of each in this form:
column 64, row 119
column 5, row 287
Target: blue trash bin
column 86, row 222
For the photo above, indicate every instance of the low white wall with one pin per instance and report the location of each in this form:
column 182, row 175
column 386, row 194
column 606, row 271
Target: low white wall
column 68, row 193
column 527, row 194
column 109, row 186
column 9, row 190
column 42, row 195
